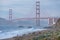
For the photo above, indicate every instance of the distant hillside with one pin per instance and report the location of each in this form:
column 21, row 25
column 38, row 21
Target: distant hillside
column 5, row 24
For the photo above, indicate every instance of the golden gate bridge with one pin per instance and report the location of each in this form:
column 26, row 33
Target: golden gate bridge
column 51, row 20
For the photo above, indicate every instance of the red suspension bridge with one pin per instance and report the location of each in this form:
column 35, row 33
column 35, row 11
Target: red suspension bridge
column 51, row 20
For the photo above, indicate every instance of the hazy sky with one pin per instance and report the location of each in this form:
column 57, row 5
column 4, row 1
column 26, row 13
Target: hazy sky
column 26, row 8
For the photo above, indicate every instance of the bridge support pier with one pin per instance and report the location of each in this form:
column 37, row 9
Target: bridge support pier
column 50, row 21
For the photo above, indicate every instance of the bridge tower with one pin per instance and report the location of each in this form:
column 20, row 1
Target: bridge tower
column 37, row 13
column 10, row 14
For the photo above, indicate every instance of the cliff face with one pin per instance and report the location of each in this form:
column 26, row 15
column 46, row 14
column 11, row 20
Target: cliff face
column 58, row 22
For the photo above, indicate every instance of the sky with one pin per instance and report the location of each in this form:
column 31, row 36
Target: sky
column 27, row 8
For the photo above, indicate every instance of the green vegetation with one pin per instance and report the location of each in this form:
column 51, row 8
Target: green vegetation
column 49, row 36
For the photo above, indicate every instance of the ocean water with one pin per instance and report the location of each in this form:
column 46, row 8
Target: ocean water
column 11, row 31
